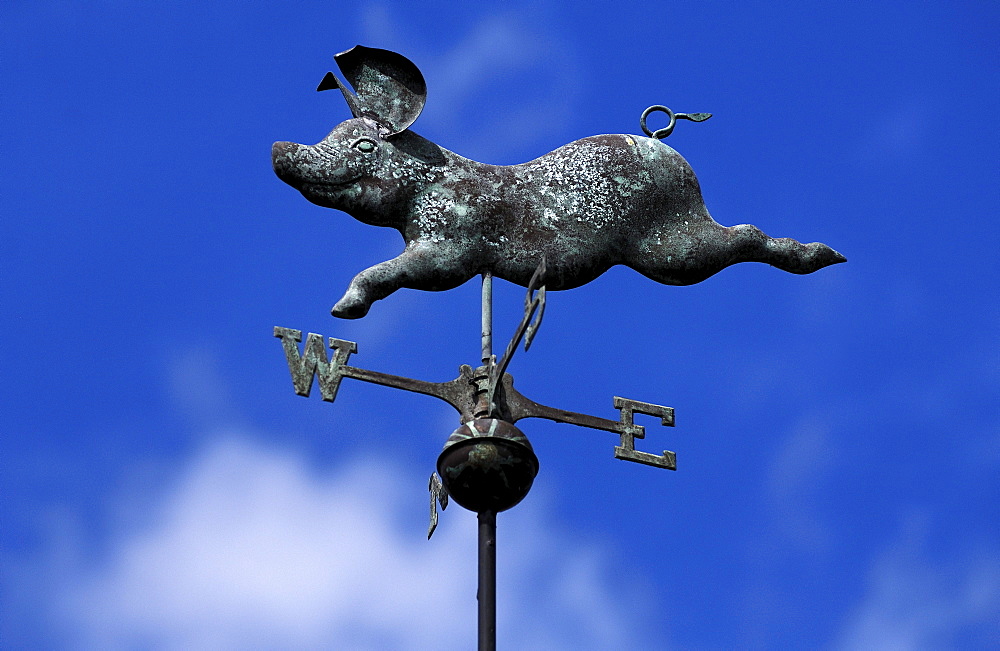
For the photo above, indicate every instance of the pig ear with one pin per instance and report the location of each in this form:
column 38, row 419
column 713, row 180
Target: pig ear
column 330, row 81
column 390, row 88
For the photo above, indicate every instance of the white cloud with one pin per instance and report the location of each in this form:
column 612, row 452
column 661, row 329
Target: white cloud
column 253, row 548
column 913, row 602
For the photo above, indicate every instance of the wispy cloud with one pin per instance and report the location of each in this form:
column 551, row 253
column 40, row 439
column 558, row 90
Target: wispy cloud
column 254, row 547
column 912, row 601
column 501, row 56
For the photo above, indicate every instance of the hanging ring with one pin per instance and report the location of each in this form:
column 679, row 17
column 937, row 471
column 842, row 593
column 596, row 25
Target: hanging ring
column 659, row 134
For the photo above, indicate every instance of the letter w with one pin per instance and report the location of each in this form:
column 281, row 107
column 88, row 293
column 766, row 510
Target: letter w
column 313, row 361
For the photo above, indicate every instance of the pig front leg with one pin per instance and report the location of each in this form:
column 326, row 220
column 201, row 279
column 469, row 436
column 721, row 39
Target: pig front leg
column 418, row 267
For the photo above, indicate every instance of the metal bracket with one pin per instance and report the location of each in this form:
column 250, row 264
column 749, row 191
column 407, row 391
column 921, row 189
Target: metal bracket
column 468, row 392
column 527, row 328
column 458, row 393
column 515, row 407
column 439, row 495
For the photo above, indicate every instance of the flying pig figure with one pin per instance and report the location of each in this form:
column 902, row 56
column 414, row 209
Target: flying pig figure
column 589, row 205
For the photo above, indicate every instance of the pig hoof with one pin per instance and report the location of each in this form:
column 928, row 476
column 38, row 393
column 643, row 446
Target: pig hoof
column 349, row 311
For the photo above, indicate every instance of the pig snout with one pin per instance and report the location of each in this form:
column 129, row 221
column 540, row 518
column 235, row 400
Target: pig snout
column 284, row 157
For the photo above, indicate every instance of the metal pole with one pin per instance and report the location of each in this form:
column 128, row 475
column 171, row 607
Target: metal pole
column 487, row 317
column 487, row 594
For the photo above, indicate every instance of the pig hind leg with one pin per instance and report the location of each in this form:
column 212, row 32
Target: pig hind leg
column 692, row 253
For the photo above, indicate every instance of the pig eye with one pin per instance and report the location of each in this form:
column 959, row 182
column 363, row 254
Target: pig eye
column 365, row 145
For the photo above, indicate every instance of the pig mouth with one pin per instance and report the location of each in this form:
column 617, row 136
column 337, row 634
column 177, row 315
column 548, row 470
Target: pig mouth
column 304, row 182
column 323, row 192
column 326, row 186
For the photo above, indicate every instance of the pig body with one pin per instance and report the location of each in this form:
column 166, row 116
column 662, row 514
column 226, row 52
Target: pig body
column 589, row 205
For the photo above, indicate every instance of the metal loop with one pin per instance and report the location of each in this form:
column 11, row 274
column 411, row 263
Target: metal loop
column 659, row 134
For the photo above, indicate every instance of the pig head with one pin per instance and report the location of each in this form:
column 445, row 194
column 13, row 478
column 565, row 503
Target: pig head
column 589, row 205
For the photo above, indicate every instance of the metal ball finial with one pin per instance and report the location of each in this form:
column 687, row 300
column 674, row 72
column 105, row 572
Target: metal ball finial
column 487, row 465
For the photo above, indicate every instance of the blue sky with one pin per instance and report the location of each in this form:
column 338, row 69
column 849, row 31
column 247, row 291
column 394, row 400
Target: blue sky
column 837, row 439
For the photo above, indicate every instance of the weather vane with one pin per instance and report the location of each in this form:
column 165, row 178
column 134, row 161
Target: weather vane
column 557, row 222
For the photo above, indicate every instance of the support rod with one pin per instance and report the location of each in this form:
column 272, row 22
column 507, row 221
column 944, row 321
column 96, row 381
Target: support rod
column 487, row 594
column 487, row 317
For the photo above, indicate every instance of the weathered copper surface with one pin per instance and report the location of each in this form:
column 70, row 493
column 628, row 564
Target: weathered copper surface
column 556, row 222
column 594, row 203
column 487, row 464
